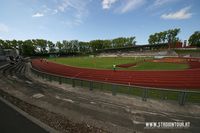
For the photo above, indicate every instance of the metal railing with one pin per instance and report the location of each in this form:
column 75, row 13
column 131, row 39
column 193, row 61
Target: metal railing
column 180, row 95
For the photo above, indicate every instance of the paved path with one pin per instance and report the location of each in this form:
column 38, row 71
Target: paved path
column 13, row 122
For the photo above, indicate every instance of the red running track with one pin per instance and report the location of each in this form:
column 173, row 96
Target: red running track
column 182, row 79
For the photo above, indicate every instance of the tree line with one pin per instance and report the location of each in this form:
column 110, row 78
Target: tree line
column 168, row 36
column 41, row 46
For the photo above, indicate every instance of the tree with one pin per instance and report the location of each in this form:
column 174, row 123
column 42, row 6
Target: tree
column 28, row 48
column 51, row 46
column 96, row 45
column 152, row 39
column 42, row 44
column 194, row 39
column 7, row 44
column 74, row 46
column 67, row 46
column 130, row 41
column 1, row 43
column 20, row 44
column 163, row 36
column 119, row 42
column 169, row 36
column 107, row 43
column 14, row 43
column 84, row 47
column 60, row 46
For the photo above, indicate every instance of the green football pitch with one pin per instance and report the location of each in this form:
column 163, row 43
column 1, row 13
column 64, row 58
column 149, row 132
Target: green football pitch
column 108, row 62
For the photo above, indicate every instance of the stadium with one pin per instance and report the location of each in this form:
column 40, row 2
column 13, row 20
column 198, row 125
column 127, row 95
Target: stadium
column 150, row 75
column 109, row 66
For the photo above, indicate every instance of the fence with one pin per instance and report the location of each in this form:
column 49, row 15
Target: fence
column 182, row 96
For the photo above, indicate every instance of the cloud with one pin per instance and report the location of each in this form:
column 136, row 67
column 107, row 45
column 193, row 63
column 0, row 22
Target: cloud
column 64, row 4
column 106, row 4
column 162, row 2
column 55, row 11
column 43, row 11
column 181, row 14
column 124, row 6
column 3, row 28
column 131, row 5
column 37, row 14
column 73, row 11
column 78, row 8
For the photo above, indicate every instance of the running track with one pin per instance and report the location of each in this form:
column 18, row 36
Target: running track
column 182, row 79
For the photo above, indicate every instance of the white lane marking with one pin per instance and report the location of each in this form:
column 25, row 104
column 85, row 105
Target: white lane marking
column 64, row 99
column 92, row 102
column 14, row 77
column 127, row 110
column 137, row 122
column 176, row 119
column 38, row 95
column 57, row 97
column 68, row 100
column 83, row 98
column 146, row 112
column 28, row 82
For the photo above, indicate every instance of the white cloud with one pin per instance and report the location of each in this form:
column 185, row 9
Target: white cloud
column 43, row 11
column 74, row 11
column 162, row 2
column 181, row 14
column 131, row 5
column 37, row 14
column 55, row 11
column 106, row 4
column 64, row 4
column 125, row 5
column 78, row 8
column 3, row 28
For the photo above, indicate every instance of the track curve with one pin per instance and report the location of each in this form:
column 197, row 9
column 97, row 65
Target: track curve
column 182, row 79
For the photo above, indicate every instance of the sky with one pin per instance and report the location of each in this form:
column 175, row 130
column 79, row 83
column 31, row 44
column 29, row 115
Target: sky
column 86, row 20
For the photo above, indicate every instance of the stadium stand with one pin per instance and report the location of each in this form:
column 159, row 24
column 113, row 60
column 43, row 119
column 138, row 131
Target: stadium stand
column 140, row 53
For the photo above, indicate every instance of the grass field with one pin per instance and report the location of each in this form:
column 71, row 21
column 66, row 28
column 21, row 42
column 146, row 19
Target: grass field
column 108, row 62
column 160, row 66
